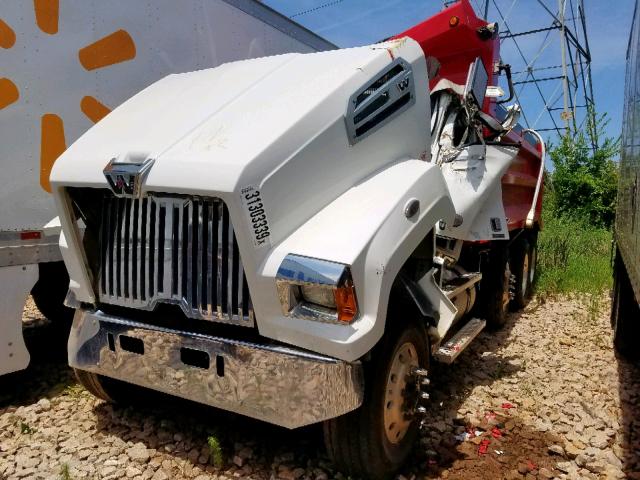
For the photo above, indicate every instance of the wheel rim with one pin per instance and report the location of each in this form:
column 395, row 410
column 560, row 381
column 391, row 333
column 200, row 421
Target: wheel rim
column 396, row 420
column 525, row 275
column 532, row 265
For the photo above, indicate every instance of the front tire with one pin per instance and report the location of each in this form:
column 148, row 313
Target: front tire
column 625, row 312
column 50, row 291
column 108, row 389
column 374, row 441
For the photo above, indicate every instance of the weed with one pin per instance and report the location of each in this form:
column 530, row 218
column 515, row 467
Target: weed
column 65, row 472
column 499, row 372
column 74, row 391
column 216, row 457
column 26, row 429
column 602, row 342
column 594, row 308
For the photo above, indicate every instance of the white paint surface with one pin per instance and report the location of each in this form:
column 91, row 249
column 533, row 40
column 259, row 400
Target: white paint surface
column 15, row 284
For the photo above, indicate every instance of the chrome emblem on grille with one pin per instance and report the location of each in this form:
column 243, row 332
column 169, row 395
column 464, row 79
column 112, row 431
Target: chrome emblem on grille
column 125, row 178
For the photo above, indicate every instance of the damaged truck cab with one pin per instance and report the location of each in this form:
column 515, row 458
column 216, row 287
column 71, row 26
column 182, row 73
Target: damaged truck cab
column 295, row 238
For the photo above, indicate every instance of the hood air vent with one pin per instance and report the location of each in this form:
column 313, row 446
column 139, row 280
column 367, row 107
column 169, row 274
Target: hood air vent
column 378, row 102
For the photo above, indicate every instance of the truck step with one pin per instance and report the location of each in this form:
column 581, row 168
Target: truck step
column 448, row 352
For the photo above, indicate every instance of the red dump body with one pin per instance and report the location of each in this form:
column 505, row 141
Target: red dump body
column 451, row 36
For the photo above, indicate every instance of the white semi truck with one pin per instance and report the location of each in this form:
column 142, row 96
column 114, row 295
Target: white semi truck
column 296, row 237
column 64, row 65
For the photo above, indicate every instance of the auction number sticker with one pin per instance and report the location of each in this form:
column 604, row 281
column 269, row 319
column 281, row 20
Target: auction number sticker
column 256, row 215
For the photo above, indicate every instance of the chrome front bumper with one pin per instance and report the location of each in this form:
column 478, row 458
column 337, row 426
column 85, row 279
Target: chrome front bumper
column 280, row 385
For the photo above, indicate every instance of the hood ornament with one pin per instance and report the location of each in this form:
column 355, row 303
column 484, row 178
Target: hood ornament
column 125, row 177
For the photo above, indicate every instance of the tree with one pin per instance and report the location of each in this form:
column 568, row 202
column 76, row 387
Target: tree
column 585, row 179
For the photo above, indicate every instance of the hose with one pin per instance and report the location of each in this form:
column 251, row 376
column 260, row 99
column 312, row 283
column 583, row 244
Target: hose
column 532, row 212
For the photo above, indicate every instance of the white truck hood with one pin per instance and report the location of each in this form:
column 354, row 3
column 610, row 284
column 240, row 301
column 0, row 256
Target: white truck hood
column 204, row 128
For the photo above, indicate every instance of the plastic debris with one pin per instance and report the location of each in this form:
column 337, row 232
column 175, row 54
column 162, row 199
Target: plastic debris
column 496, row 433
column 499, row 452
column 507, row 405
column 468, row 435
column 490, row 415
column 484, row 446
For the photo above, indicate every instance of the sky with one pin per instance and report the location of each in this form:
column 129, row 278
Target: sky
column 359, row 22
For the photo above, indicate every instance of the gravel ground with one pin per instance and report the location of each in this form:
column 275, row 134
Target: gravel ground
column 543, row 398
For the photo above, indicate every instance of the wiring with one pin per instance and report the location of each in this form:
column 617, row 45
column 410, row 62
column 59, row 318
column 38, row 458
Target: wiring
column 315, row 9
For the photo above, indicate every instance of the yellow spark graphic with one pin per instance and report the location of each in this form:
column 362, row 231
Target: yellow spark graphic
column 114, row 48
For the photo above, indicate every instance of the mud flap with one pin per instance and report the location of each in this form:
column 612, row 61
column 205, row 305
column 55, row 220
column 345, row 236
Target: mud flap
column 15, row 284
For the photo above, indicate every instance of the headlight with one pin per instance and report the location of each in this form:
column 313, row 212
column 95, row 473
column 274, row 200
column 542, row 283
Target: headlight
column 319, row 295
column 316, row 289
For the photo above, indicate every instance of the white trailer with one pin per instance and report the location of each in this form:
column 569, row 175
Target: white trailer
column 65, row 65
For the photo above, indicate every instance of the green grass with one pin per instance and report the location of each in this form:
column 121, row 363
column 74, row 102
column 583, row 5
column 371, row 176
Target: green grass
column 65, row 472
column 573, row 257
column 216, row 456
column 74, row 391
column 26, row 429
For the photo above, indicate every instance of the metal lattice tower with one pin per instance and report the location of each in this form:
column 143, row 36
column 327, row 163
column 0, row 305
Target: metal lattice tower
column 551, row 60
column 564, row 88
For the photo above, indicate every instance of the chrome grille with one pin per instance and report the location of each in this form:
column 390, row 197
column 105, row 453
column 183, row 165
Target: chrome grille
column 180, row 250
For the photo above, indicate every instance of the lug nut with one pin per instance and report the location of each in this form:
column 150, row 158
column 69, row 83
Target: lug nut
column 425, row 381
column 424, row 396
column 421, row 372
column 421, row 410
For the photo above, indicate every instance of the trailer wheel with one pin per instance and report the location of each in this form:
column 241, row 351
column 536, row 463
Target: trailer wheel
column 520, row 263
column 104, row 388
column 625, row 312
column 50, row 291
column 494, row 298
column 373, row 441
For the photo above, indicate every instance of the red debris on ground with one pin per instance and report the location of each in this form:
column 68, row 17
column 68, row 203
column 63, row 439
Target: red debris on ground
column 484, row 446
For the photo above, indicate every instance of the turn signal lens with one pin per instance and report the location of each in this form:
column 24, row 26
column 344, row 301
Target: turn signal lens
column 346, row 303
column 454, row 21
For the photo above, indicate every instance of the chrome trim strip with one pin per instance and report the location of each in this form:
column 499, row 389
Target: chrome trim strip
column 219, row 262
column 130, row 245
column 229, row 264
column 210, row 262
column 301, row 270
column 201, row 239
column 278, row 384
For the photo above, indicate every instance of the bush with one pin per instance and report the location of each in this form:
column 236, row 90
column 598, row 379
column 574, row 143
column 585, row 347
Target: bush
column 584, row 181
